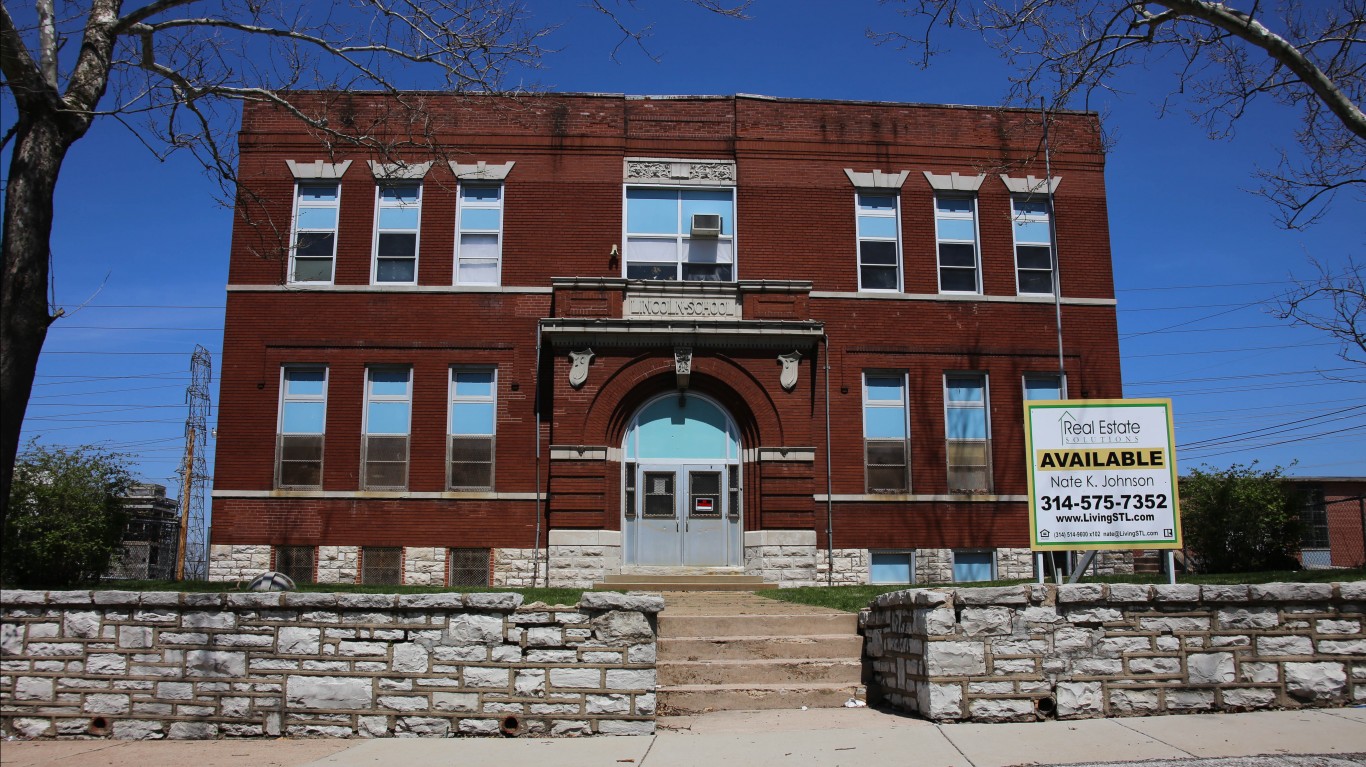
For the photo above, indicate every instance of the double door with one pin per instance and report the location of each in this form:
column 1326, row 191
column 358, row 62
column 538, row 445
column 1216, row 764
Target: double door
column 682, row 515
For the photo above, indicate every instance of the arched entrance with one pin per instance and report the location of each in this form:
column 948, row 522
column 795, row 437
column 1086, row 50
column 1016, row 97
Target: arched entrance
column 682, row 485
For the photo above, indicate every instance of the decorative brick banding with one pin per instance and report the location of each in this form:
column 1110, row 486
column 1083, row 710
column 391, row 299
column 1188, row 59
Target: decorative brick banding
column 1021, row 653
column 171, row 665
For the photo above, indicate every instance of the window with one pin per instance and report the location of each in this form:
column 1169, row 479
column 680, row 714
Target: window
column 303, row 416
column 397, row 216
column 885, row 433
column 468, row 567
column 973, row 565
column 686, row 234
column 1033, row 245
column 473, row 416
column 967, row 433
column 479, row 246
column 955, row 225
column 388, row 402
column 879, row 242
column 381, row 564
column 296, row 562
column 1313, row 518
column 315, row 233
column 891, row 567
column 1043, row 386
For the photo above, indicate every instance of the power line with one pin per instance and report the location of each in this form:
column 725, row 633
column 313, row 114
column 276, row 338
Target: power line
column 1241, row 376
column 1307, row 438
column 1225, row 351
column 123, row 327
column 1297, row 423
column 1198, row 287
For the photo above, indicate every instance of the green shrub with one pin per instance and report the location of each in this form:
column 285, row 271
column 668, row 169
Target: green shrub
column 1240, row 519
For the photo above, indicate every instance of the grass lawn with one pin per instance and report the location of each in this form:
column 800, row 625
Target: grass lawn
column 855, row 598
column 549, row 596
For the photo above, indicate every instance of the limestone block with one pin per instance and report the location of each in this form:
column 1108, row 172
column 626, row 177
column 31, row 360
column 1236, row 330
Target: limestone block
column 1099, row 667
column 1210, row 668
column 1036, row 618
column 1013, row 666
column 137, row 729
column 630, row 679
column 1117, row 646
column 1130, row 592
column 1259, row 673
column 945, row 701
column 81, row 625
column 459, row 702
column 1291, row 592
column 1190, row 700
column 1080, row 593
column 622, row 626
column 1159, row 666
column 1001, row 710
column 1316, row 681
column 175, row 690
column 206, row 620
column 1079, row 700
column 494, row 601
column 296, row 640
column 26, row 727
column 106, row 703
column 1093, row 616
column 984, row 621
column 994, row 595
column 1125, row 701
column 611, row 600
column 545, row 636
column 215, row 663
column 1176, row 592
column 607, row 704
column 476, row 676
column 576, row 678
column 324, row 692
column 1329, row 626
column 566, row 728
column 955, row 658
column 34, row 688
column 1248, row 618
column 990, row 688
column 1174, row 624
column 1232, row 593
column 402, row 702
column 422, row 727
column 410, row 659
column 1342, row 646
column 630, row 727
column 11, row 639
column 642, row 653
column 1284, row 645
column 473, row 628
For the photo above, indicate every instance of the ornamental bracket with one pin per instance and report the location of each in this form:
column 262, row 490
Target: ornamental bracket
column 788, row 378
column 578, row 367
column 682, row 366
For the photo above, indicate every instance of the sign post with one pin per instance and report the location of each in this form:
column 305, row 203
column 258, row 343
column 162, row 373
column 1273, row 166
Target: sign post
column 1102, row 474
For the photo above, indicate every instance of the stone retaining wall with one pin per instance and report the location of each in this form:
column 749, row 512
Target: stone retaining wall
column 1021, row 653
column 156, row 665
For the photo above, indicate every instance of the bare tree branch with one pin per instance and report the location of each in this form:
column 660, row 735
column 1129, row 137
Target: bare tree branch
column 1334, row 302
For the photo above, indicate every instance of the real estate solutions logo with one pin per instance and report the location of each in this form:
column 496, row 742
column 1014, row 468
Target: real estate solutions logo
column 1097, row 431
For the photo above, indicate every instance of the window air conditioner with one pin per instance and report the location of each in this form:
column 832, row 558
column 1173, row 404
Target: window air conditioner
column 706, row 225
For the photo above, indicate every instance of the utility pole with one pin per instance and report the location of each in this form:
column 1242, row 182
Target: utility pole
column 191, row 559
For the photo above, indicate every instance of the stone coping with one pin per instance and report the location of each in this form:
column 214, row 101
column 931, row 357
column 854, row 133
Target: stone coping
column 488, row 601
column 1127, row 593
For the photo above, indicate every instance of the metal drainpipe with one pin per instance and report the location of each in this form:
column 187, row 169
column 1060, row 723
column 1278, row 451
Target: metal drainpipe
column 829, row 478
column 536, row 408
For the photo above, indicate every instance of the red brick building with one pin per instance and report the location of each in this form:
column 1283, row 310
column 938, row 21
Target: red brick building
column 581, row 335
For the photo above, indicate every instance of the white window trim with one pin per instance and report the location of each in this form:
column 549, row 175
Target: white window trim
column 452, row 399
column 1037, row 375
column 1015, row 244
column 953, row 564
column 986, row 415
column 370, row 397
column 459, row 216
column 416, row 231
column 734, row 236
column 285, row 399
column 976, row 247
column 905, row 414
column 295, row 231
column 859, row 239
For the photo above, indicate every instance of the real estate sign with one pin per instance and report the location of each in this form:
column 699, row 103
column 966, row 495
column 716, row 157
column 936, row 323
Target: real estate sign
column 1102, row 474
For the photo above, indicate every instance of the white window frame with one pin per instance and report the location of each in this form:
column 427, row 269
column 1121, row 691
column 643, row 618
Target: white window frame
column 371, row 397
column 985, row 406
column 280, row 434
column 460, row 231
column 995, row 563
column 454, row 399
column 1037, row 376
column 895, row 215
column 380, row 206
column 683, row 233
column 1045, row 219
column 976, row 238
column 904, row 404
column 300, row 204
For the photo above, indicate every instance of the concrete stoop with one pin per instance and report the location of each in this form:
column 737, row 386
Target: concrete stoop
column 703, row 580
column 735, row 662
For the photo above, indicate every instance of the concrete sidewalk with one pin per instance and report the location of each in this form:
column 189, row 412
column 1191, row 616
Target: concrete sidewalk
column 825, row 737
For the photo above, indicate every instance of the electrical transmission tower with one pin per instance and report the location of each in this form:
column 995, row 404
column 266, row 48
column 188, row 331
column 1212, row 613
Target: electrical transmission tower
column 192, row 560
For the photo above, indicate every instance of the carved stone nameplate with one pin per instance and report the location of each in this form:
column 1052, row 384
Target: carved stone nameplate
column 688, row 307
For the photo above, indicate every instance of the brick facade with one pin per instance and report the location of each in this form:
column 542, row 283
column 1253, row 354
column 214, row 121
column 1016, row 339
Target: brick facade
column 562, row 289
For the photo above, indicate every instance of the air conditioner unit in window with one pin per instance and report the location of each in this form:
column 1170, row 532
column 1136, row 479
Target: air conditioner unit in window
column 706, row 225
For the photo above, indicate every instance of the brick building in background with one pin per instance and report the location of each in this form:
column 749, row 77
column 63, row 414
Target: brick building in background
column 785, row 337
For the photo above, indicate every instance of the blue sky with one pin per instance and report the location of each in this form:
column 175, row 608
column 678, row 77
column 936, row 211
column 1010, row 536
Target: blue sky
column 140, row 248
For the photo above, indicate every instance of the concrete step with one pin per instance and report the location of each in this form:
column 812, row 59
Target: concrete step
column 712, row 626
column 760, row 647
column 693, row 585
column 693, row 699
column 674, row 576
column 783, row 671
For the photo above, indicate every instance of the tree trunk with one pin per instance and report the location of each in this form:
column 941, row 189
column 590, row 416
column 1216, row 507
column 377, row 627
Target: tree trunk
column 40, row 144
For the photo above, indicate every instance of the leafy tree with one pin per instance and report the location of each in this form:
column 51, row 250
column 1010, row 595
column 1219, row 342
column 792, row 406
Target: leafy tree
column 1240, row 519
column 66, row 517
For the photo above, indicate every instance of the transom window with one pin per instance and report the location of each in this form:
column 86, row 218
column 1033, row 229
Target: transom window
column 680, row 234
column 314, row 247
column 479, row 247
column 955, row 222
column 1044, row 386
column 879, row 242
column 397, row 217
column 1033, row 245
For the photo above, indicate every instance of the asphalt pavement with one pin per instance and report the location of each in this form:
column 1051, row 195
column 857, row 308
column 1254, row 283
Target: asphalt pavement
column 824, row 737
